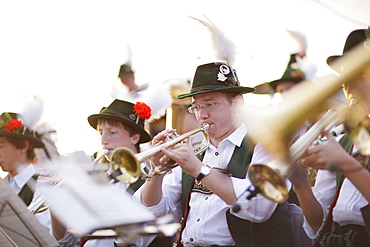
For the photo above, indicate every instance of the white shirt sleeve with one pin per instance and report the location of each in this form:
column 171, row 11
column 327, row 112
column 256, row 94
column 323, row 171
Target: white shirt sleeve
column 324, row 191
column 171, row 198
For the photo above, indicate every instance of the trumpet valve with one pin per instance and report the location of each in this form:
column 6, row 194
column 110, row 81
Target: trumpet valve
column 171, row 135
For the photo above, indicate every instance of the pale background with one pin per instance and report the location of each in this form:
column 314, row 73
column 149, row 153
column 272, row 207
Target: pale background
column 69, row 52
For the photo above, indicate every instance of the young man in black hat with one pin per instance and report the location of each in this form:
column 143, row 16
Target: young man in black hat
column 121, row 124
column 17, row 154
column 337, row 209
column 203, row 189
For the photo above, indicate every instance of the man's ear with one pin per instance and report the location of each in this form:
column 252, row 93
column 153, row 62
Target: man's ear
column 238, row 103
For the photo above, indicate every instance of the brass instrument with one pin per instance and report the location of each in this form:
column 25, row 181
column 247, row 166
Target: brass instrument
column 129, row 163
column 270, row 178
column 101, row 155
column 283, row 122
column 40, row 204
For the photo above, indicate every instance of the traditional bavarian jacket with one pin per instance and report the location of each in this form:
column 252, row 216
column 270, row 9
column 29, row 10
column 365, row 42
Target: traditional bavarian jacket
column 18, row 184
column 206, row 221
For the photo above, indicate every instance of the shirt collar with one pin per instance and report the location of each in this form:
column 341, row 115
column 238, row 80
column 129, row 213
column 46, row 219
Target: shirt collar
column 237, row 136
column 26, row 174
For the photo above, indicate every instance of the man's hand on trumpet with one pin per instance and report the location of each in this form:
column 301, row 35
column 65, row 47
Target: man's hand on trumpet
column 158, row 140
column 184, row 156
column 329, row 155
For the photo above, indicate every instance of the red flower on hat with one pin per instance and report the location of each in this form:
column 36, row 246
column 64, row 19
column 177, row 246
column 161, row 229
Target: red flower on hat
column 296, row 74
column 13, row 125
column 142, row 110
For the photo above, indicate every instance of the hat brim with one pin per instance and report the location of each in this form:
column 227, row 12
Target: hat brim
column 264, row 88
column 330, row 60
column 240, row 90
column 35, row 142
column 93, row 121
column 275, row 83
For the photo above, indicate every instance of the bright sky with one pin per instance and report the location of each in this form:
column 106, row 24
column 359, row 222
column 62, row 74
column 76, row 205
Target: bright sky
column 69, row 52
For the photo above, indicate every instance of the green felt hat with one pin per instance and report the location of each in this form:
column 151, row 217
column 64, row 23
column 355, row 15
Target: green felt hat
column 354, row 38
column 125, row 112
column 292, row 73
column 125, row 69
column 11, row 125
column 215, row 77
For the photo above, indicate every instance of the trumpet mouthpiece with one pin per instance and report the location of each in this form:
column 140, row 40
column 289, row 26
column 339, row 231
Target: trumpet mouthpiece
column 205, row 126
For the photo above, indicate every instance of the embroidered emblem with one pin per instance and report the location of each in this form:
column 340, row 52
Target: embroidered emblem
column 363, row 160
column 200, row 188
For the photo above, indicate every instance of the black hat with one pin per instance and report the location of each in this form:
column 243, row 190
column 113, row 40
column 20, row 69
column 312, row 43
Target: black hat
column 354, row 38
column 215, row 77
column 11, row 125
column 125, row 111
column 125, row 69
column 292, row 73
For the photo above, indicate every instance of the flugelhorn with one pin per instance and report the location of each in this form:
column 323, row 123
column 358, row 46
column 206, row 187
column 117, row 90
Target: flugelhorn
column 273, row 127
column 270, row 178
column 128, row 163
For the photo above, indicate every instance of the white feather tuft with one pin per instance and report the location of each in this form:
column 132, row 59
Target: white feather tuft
column 306, row 66
column 32, row 111
column 158, row 98
column 223, row 46
column 302, row 41
column 129, row 54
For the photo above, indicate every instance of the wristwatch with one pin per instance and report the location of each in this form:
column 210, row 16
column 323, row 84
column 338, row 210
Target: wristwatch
column 204, row 171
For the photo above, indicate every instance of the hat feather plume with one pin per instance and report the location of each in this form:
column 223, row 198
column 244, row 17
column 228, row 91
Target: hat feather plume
column 129, row 54
column 302, row 41
column 223, row 46
column 303, row 62
column 158, row 98
column 32, row 111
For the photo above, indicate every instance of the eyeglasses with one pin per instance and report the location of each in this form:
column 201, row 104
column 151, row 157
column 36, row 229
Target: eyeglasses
column 207, row 107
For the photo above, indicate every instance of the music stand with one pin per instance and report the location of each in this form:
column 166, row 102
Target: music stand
column 18, row 226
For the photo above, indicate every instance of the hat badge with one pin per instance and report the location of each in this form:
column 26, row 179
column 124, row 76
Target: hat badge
column 224, row 70
column 132, row 117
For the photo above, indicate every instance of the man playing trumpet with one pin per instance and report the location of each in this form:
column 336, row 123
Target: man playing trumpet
column 202, row 190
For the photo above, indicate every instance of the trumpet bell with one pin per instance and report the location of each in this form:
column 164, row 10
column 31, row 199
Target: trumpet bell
column 124, row 160
column 269, row 181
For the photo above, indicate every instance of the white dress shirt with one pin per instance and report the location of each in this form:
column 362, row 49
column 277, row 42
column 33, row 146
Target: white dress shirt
column 206, row 222
column 350, row 200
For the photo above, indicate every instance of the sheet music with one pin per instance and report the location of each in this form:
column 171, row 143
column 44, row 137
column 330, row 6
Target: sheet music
column 84, row 205
column 18, row 227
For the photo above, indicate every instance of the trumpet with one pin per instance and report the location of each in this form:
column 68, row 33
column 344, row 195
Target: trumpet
column 298, row 103
column 101, row 155
column 128, row 163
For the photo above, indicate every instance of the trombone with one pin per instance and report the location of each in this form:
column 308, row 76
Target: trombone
column 298, row 103
column 128, row 163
